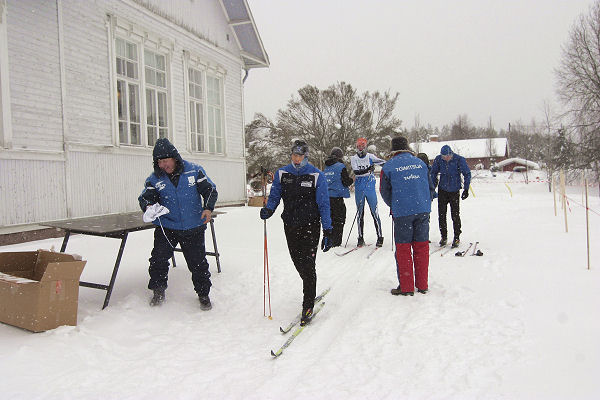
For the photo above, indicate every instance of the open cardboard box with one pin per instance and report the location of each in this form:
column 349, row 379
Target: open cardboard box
column 39, row 290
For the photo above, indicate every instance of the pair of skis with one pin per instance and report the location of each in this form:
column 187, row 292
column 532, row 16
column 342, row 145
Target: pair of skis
column 345, row 252
column 475, row 252
column 318, row 307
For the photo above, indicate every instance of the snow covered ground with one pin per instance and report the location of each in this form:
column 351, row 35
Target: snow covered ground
column 521, row 322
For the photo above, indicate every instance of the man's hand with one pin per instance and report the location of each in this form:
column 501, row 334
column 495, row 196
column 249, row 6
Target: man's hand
column 206, row 216
column 154, row 211
column 326, row 242
column 265, row 213
column 465, row 194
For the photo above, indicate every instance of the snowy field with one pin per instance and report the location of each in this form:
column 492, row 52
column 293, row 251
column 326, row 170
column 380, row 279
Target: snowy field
column 521, row 322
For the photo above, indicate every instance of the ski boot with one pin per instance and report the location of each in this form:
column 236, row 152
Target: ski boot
column 307, row 314
column 158, row 298
column 455, row 242
column 379, row 241
column 205, row 304
column 443, row 241
column 398, row 292
column 361, row 242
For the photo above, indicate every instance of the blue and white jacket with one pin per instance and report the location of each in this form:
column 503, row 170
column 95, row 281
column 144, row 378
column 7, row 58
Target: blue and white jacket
column 184, row 201
column 304, row 193
column 404, row 185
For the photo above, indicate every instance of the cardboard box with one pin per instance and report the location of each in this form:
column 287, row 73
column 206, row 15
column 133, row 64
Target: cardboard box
column 39, row 290
column 256, row 201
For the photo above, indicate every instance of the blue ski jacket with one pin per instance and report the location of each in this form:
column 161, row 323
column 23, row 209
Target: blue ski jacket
column 404, row 185
column 450, row 173
column 334, row 171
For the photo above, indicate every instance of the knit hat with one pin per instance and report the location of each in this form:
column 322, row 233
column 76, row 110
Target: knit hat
column 399, row 143
column 164, row 149
column 446, row 150
column 337, row 153
column 300, row 147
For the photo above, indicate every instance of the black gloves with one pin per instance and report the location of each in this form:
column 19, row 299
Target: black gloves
column 465, row 194
column 326, row 242
column 265, row 213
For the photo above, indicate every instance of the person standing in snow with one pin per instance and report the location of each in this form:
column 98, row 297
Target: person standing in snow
column 338, row 182
column 423, row 157
column 179, row 187
column 404, row 187
column 450, row 167
column 303, row 189
column 363, row 164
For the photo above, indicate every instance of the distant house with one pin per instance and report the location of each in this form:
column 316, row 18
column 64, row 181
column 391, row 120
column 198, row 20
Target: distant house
column 87, row 87
column 516, row 164
column 477, row 152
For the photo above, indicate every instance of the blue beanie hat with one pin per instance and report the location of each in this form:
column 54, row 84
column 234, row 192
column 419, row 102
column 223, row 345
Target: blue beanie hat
column 446, row 150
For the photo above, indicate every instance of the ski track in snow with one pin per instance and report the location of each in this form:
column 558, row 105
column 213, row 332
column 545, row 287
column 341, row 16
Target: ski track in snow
column 513, row 324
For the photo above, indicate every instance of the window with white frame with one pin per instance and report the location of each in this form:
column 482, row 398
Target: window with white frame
column 128, row 92
column 196, row 95
column 141, row 84
column 156, row 96
column 214, row 102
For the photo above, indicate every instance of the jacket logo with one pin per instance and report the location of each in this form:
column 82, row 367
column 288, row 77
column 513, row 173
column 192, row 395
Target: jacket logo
column 306, row 184
column 160, row 185
column 191, row 181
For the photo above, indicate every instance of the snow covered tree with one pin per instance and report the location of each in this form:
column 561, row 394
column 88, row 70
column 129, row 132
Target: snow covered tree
column 578, row 79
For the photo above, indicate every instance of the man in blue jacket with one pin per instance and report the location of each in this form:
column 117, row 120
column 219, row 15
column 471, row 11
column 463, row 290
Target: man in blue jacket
column 303, row 189
column 450, row 167
column 178, row 186
column 338, row 182
column 405, row 189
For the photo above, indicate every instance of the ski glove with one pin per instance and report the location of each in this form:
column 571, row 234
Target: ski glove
column 326, row 242
column 154, row 211
column 265, row 213
column 465, row 194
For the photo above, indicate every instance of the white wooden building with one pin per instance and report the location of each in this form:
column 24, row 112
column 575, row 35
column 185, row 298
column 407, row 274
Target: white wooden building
column 86, row 88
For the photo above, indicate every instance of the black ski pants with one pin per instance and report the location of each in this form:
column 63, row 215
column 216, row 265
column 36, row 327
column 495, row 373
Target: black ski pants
column 192, row 246
column 443, row 199
column 338, row 219
column 303, row 242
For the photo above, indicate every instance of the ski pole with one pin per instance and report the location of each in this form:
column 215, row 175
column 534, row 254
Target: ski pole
column 355, row 216
column 266, row 280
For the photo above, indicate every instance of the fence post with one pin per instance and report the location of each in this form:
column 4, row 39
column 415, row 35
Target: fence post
column 587, row 222
column 564, row 197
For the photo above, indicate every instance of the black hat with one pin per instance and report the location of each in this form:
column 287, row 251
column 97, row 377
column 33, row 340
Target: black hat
column 400, row 143
column 300, row 147
column 164, row 149
column 337, row 153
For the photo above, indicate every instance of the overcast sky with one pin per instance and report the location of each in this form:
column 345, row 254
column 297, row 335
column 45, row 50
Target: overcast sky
column 482, row 58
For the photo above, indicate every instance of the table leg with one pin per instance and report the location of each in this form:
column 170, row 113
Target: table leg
column 115, row 270
column 65, row 240
column 214, row 238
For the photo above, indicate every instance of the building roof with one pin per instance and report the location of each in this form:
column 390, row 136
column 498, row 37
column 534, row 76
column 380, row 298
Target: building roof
column 242, row 24
column 469, row 148
column 521, row 161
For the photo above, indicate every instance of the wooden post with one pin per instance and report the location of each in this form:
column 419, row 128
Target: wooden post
column 587, row 222
column 554, row 193
column 564, row 197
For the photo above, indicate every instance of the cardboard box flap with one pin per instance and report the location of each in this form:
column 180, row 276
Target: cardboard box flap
column 70, row 270
column 44, row 258
column 18, row 263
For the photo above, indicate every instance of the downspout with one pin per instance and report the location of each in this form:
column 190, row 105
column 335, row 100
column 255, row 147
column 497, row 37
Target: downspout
column 247, row 71
column 63, row 96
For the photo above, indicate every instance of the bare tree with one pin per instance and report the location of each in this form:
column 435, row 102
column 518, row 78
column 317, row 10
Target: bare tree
column 578, row 78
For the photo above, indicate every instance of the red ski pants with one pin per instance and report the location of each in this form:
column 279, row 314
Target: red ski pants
column 409, row 257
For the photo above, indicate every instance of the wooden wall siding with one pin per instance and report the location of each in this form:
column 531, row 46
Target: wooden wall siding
column 34, row 75
column 31, row 191
column 111, row 183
